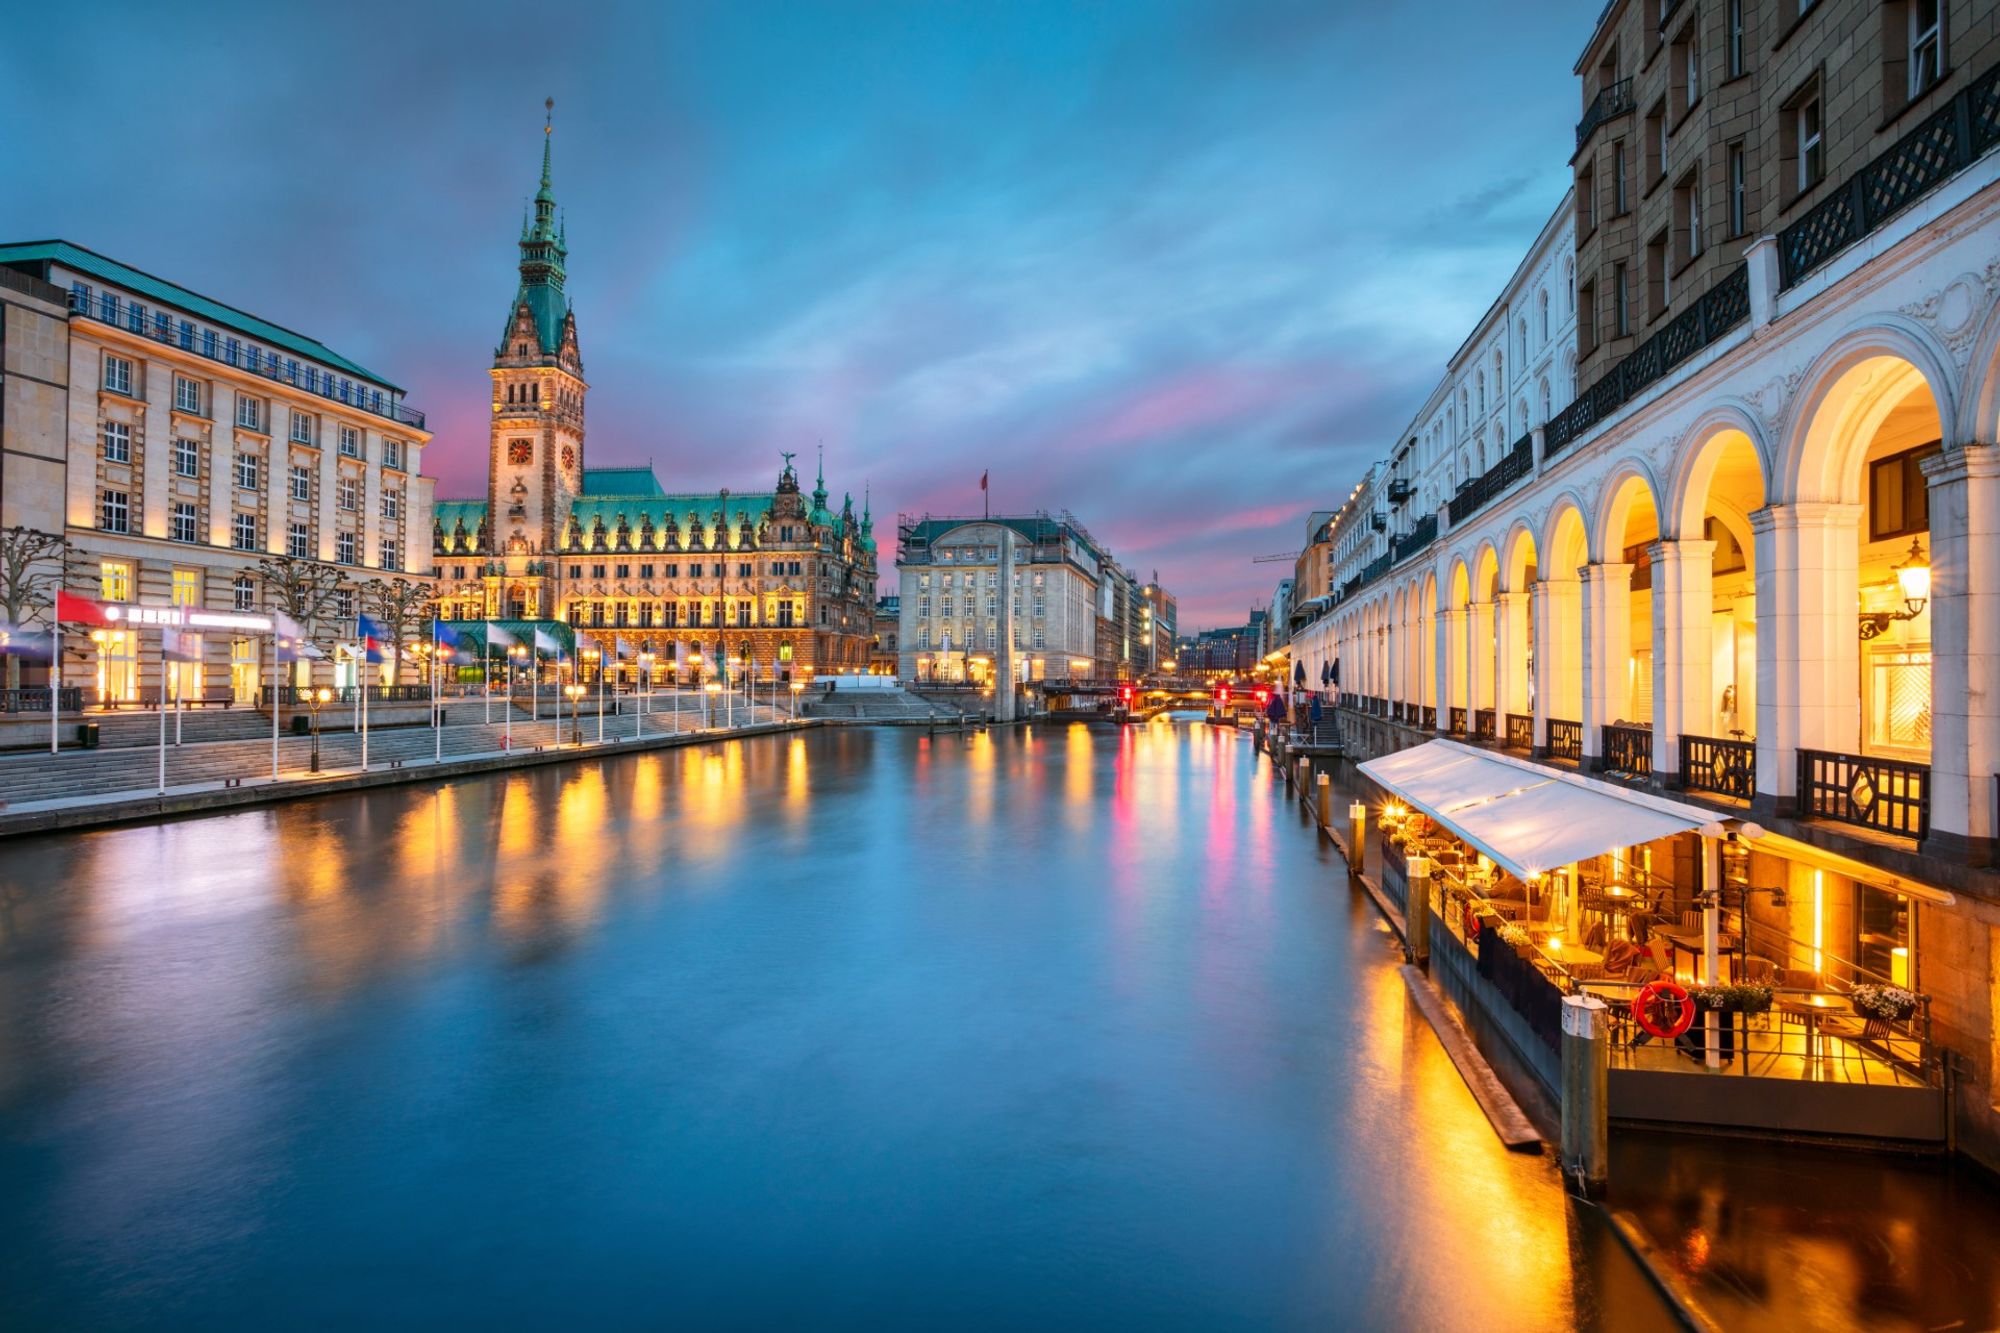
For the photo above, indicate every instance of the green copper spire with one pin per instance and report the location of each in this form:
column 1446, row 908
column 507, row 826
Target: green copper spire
column 544, row 247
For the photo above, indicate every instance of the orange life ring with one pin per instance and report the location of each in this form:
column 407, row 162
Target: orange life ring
column 1656, row 996
column 1471, row 923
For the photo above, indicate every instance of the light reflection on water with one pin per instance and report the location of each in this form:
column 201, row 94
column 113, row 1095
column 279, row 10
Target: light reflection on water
column 1056, row 1026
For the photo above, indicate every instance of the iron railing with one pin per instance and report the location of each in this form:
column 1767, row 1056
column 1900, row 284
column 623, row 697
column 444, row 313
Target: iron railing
column 1421, row 534
column 1484, row 724
column 162, row 326
column 1943, row 144
column 1401, row 489
column 294, row 695
column 1612, row 100
column 1429, row 717
column 1457, row 721
column 1717, row 311
column 1520, row 731
column 1627, row 749
column 1474, row 495
column 1566, row 740
column 1868, row 791
column 1725, row 767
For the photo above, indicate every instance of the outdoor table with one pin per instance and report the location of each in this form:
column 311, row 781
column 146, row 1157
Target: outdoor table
column 1811, row 1008
column 1689, row 942
column 1573, row 955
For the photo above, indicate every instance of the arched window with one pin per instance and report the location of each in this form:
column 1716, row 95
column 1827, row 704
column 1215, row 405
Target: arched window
column 1569, row 285
column 1548, row 408
column 1521, row 350
column 1545, row 314
column 1482, row 393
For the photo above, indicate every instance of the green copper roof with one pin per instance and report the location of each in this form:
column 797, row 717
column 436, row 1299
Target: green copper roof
column 35, row 256
column 686, row 508
column 448, row 513
column 621, row 481
column 543, row 250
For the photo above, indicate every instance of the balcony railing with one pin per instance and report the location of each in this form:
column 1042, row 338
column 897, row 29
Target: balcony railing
column 161, row 326
column 1628, row 749
column 1458, row 721
column 1566, row 740
column 35, row 699
column 1614, row 100
column 293, row 695
column 1887, row 795
column 1401, row 489
column 1428, row 717
column 1474, row 495
column 1943, row 144
column 1717, row 311
column 1520, row 731
column 1485, row 724
column 1725, row 767
column 1420, row 535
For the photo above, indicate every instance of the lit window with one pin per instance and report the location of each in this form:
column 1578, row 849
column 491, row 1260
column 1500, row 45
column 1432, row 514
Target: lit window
column 114, row 581
column 187, row 587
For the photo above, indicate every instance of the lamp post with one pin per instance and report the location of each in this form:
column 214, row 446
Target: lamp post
column 798, row 688
column 317, row 699
column 575, row 692
column 514, row 655
column 736, row 668
column 596, row 657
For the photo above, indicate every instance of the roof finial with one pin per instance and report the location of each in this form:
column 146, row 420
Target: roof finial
column 548, row 134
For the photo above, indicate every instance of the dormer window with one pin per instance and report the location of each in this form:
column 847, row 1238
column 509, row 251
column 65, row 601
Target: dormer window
column 520, row 349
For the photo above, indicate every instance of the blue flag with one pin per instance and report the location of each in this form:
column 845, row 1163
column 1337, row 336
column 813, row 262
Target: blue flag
column 373, row 640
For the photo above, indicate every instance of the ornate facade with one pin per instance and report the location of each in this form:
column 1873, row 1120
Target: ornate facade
column 774, row 578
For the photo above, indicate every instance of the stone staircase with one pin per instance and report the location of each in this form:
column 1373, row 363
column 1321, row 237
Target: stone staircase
column 876, row 706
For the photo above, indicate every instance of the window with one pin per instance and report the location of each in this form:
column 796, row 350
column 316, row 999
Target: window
column 1739, row 191
column 388, row 557
column 1685, row 72
column 114, row 512
column 187, row 395
column 298, row 543
column 392, row 504
column 117, row 374
column 1543, row 300
column 645, row 571
column 187, row 458
column 597, row 571
column 343, row 604
column 350, row 442
column 673, row 572
column 1659, row 275
column 302, row 482
column 1926, row 45
column 249, row 413
column 1733, row 37
column 117, row 442
column 1619, row 204
column 246, row 472
column 1586, row 318
column 392, row 454
column 243, row 593
column 1621, row 303
column 1802, row 129
column 114, row 581
column 1586, row 215
column 349, row 494
column 742, row 613
column 343, row 548
column 1687, row 214
column 243, row 532
column 180, row 523
column 1658, row 131
column 302, row 428
column 1899, row 502
column 743, row 570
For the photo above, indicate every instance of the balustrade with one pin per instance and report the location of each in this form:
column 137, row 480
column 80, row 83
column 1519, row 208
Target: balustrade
column 1627, row 749
column 1725, row 767
column 1566, row 740
column 1868, row 791
column 1520, row 732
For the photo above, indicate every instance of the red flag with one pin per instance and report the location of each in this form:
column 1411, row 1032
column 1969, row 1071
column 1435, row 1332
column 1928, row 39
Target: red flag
column 70, row 607
column 982, row 481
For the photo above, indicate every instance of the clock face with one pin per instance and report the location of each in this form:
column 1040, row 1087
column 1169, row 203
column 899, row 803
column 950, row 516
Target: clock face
column 520, row 452
column 568, row 459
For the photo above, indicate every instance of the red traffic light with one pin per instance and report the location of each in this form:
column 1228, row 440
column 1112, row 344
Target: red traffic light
column 1263, row 697
column 1222, row 694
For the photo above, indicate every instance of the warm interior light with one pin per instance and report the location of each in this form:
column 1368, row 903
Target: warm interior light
column 1819, row 919
column 1914, row 577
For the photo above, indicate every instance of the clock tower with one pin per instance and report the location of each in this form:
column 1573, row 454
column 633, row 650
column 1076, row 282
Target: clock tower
column 535, row 468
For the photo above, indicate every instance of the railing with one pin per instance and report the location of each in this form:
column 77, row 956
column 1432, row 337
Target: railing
column 1628, row 749
column 1717, row 311
column 1613, row 100
column 1429, row 717
column 1566, row 740
column 295, row 695
column 1458, row 721
column 1401, row 489
column 110, row 308
column 1943, row 144
column 1888, row 795
column 35, row 699
column 1520, row 732
column 1422, row 534
column 1725, row 767
column 1477, row 493
column 1484, row 724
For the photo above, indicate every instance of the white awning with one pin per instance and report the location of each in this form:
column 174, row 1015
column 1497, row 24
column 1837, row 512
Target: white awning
column 1527, row 818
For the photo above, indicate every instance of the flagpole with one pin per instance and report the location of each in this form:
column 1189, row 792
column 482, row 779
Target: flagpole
column 55, row 685
column 163, row 712
column 437, row 715
column 364, row 705
column 600, row 696
column 274, row 702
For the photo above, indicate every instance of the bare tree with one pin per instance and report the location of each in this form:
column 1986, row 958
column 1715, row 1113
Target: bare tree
column 302, row 589
column 400, row 605
column 31, row 569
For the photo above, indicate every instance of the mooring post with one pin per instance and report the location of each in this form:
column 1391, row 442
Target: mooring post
column 1586, row 1059
column 1357, row 833
column 1417, row 911
column 1326, row 801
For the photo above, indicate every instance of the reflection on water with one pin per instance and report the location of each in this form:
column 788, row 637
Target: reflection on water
column 854, row 1029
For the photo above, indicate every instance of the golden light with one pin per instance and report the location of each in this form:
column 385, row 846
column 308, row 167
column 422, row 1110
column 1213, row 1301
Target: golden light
column 323, row 694
column 713, row 687
column 797, row 686
column 1913, row 576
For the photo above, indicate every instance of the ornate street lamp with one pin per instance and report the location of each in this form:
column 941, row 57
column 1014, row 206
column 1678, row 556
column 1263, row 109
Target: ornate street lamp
column 317, row 699
column 1913, row 577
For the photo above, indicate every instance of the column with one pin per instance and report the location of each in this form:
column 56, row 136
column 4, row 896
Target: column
column 1965, row 649
column 1479, row 650
column 1808, row 638
column 1510, row 667
column 1392, row 684
column 1607, row 650
column 1542, row 616
column 1683, row 602
column 1451, row 666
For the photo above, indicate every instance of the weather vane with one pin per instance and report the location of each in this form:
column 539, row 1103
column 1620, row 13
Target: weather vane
column 788, row 458
column 549, row 116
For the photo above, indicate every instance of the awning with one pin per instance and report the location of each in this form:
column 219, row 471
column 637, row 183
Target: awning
column 1528, row 819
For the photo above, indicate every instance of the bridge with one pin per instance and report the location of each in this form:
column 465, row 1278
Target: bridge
column 1146, row 698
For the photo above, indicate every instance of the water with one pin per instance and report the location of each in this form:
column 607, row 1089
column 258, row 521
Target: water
column 855, row 1029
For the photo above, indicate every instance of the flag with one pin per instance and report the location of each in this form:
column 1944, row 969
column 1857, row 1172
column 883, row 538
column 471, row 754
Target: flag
column 373, row 639
column 623, row 649
column 680, row 654
column 453, row 641
column 292, row 643
column 179, row 646
column 33, row 645
column 71, row 607
column 982, row 480
column 499, row 638
column 546, row 642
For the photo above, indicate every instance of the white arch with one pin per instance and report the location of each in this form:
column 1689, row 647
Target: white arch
column 1815, row 459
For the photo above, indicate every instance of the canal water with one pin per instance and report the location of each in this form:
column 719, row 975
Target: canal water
column 1052, row 1027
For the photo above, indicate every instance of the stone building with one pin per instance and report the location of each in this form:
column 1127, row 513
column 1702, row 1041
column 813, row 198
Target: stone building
column 1742, row 562
column 774, row 578
column 174, row 441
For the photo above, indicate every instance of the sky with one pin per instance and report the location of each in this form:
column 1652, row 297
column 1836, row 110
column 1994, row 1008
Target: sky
column 1183, row 269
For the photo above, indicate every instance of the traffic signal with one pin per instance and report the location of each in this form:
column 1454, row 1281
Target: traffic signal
column 1222, row 695
column 1125, row 695
column 1263, row 696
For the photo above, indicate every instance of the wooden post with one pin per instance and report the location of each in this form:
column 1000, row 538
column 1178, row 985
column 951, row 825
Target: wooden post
column 1357, row 838
column 1417, row 911
column 1586, row 1120
column 1326, row 801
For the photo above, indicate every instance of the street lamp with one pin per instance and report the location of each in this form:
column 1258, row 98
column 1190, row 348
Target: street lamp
column 575, row 692
column 708, row 691
column 798, row 688
column 1913, row 579
column 317, row 699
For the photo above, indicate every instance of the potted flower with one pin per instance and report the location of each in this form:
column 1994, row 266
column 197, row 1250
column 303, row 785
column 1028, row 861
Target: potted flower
column 1892, row 1003
column 1517, row 938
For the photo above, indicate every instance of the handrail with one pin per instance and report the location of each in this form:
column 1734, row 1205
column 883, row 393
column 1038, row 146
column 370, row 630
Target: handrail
column 1612, row 100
